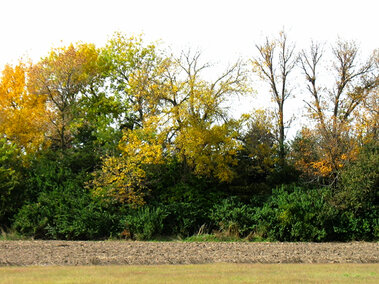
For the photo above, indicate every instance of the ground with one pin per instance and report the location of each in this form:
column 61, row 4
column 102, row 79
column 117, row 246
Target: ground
column 21, row 253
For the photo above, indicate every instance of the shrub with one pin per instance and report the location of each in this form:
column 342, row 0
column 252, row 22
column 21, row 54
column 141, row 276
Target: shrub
column 184, row 218
column 358, row 188
column 352, row 227
column 357, row 196
column 233, row 217
column 66, row 212
column 11, row 181
column 59, row 207
column 295, row 214
column 145, row 222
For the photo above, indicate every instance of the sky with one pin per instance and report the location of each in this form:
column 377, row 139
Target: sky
column 222, row 30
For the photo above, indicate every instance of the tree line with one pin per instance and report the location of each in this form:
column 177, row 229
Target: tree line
column 129, row 140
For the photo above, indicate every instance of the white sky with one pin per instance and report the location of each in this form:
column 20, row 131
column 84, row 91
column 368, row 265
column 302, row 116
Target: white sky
column 223, row 30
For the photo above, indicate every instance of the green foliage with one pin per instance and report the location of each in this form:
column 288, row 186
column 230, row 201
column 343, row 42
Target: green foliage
column 296, row 214
column 233, row 217
column 58, row 206
column 284, row 174
column 98, row 123
column 351, row 227
column 185, row 218
column 65, row 211
column 358, row 190
column 259, row 154
column 357, row 196
column 10, row 181
column 145, row 222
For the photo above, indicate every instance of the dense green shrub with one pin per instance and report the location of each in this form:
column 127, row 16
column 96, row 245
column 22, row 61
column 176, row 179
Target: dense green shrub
column 66, row 212
column 295, row 214
column 233, row 217
column 359, row 182
column 185, row 219
column 11, row 182
column 357, row 196
column 58, row 205
column 145, row 222
column 352, row 227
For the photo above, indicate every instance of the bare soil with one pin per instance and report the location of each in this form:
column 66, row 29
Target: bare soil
column 21, row 253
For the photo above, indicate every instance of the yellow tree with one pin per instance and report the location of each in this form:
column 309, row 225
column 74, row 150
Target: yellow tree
column 194, row 117
column 123, row 178
column 23, row 114
column 185, row 119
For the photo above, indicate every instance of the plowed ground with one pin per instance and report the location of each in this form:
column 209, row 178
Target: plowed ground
column 21, row 253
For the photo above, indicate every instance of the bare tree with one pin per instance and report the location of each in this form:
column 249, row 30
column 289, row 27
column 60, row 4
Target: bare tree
column 274, row 63
column 332, row 107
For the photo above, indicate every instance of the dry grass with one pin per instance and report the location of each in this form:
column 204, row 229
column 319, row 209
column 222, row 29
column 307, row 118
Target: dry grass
column 205, row 273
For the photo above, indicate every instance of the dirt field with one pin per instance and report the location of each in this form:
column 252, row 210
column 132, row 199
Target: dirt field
column 21, row 253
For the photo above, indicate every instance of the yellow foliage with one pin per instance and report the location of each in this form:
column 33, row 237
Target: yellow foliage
column 323, row 167
column 177, row 115
column 124, row 178
column 23, row 115
column 210, row 151
column 119, row 180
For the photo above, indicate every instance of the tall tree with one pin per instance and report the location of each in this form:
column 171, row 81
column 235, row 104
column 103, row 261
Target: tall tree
column 275, row 61
column 62, row 77
column 196, row 122
column 333, row 107
column 134, row 69
column 186, row 121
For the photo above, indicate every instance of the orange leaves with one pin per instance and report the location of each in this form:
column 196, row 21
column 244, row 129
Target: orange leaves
column 324, row 168
column 322, row 157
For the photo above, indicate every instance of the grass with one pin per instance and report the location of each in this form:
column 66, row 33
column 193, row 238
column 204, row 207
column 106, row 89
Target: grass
column 204, row 273
column 212, row 238
column 11, row 235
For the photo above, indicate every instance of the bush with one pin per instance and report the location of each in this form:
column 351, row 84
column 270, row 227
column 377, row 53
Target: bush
column 352, row 227
column 358, row 188
column 357, row 196
column 295, row 214
column 145, row 222
column 59, row 207
column 66, row 212
column 185, row 219
column 11, row 181
column 233, row 217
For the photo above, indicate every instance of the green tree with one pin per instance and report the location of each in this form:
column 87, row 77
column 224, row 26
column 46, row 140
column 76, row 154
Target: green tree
column 63, row 77
column 10, row 181
column 133, row 70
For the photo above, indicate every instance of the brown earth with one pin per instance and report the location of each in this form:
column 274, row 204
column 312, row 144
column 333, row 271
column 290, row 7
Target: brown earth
column 20, row 253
